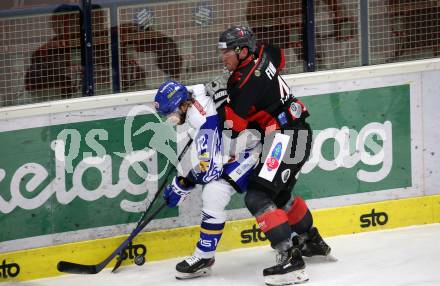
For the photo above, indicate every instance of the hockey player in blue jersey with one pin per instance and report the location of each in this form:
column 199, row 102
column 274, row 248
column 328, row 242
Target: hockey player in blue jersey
column 220, row 180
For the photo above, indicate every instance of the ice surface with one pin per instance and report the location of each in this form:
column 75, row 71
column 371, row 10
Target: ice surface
column 405, row 256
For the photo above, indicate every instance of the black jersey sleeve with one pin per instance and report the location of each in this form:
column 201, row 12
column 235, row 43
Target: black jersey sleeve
column 276, row 56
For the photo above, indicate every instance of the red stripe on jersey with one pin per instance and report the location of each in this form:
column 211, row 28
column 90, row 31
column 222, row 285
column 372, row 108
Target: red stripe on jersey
column 254, row 67
column 235, row 77
column 246, row 61
column 297, row 211
column 271, row 219
column 264, row 119
column 199, row 107
column 282, row 63
column 238, row 123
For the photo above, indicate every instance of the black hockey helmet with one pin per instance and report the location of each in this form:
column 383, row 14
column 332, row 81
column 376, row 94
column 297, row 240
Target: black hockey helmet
column 236, row 38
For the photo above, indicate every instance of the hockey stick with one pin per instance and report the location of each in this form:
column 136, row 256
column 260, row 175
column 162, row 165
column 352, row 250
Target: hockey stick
column 159, row 190
column 120, row 255
column 77, row 268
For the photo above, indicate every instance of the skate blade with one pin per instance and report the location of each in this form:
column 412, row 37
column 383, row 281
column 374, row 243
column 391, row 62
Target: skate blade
column 200, row 273
column 295, row 277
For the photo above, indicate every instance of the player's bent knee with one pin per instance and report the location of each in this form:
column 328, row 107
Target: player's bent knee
column 257, row 202
column 213, row 216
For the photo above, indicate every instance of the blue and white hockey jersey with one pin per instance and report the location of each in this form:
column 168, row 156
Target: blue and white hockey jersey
column 209, row 161
column 204, row 128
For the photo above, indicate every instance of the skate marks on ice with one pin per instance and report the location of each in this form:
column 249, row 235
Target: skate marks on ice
column 399, row 257
column 320, row 259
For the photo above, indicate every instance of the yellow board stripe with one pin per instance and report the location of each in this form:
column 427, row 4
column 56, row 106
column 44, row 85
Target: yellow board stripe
column 209, row 231
column 41, row 262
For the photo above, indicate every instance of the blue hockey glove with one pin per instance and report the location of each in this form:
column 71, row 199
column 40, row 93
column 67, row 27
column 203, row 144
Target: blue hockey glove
column 176, row 192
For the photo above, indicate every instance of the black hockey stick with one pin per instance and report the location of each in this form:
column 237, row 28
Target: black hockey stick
column 160, row 189
column 77, row 268
column 121, row 255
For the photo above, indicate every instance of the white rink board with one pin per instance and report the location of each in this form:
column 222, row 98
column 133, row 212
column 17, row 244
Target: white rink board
column 422, row 76
column 431, row 132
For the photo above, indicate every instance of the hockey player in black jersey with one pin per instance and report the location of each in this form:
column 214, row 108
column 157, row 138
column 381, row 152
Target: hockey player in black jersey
column 260, row 99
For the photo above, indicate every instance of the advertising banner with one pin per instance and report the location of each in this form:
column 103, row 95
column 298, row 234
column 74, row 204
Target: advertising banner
column 362, row 142
column 76, row 176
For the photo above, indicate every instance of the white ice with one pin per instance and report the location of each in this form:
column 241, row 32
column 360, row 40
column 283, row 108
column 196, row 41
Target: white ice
column 405, row 256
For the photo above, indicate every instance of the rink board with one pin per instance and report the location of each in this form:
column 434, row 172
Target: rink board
column 51, row 198
column 41, row 262
column 66, row 171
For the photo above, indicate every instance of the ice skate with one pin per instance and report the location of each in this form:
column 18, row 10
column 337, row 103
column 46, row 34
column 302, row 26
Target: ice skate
column 288, row 270
column 311, row 243
column 194, row 266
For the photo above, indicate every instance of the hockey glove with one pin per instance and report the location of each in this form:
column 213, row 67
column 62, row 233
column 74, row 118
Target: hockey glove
column 176, row 192
column 217, row 89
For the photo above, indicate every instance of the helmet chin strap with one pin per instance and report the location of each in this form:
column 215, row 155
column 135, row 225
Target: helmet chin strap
column 237, row 54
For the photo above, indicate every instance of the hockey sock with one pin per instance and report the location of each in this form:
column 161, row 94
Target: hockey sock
column 299, row 216
column 210, row 234
column 275, row 225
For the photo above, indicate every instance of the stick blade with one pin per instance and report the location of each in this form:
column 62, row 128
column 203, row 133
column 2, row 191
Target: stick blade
column 75, row 268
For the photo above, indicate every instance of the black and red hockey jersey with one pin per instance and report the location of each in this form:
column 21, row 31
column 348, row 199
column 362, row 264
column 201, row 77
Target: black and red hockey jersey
column 258, row 96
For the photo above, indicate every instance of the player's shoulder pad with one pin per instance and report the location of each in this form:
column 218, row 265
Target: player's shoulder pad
column 275, row 55
column 202, row 107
